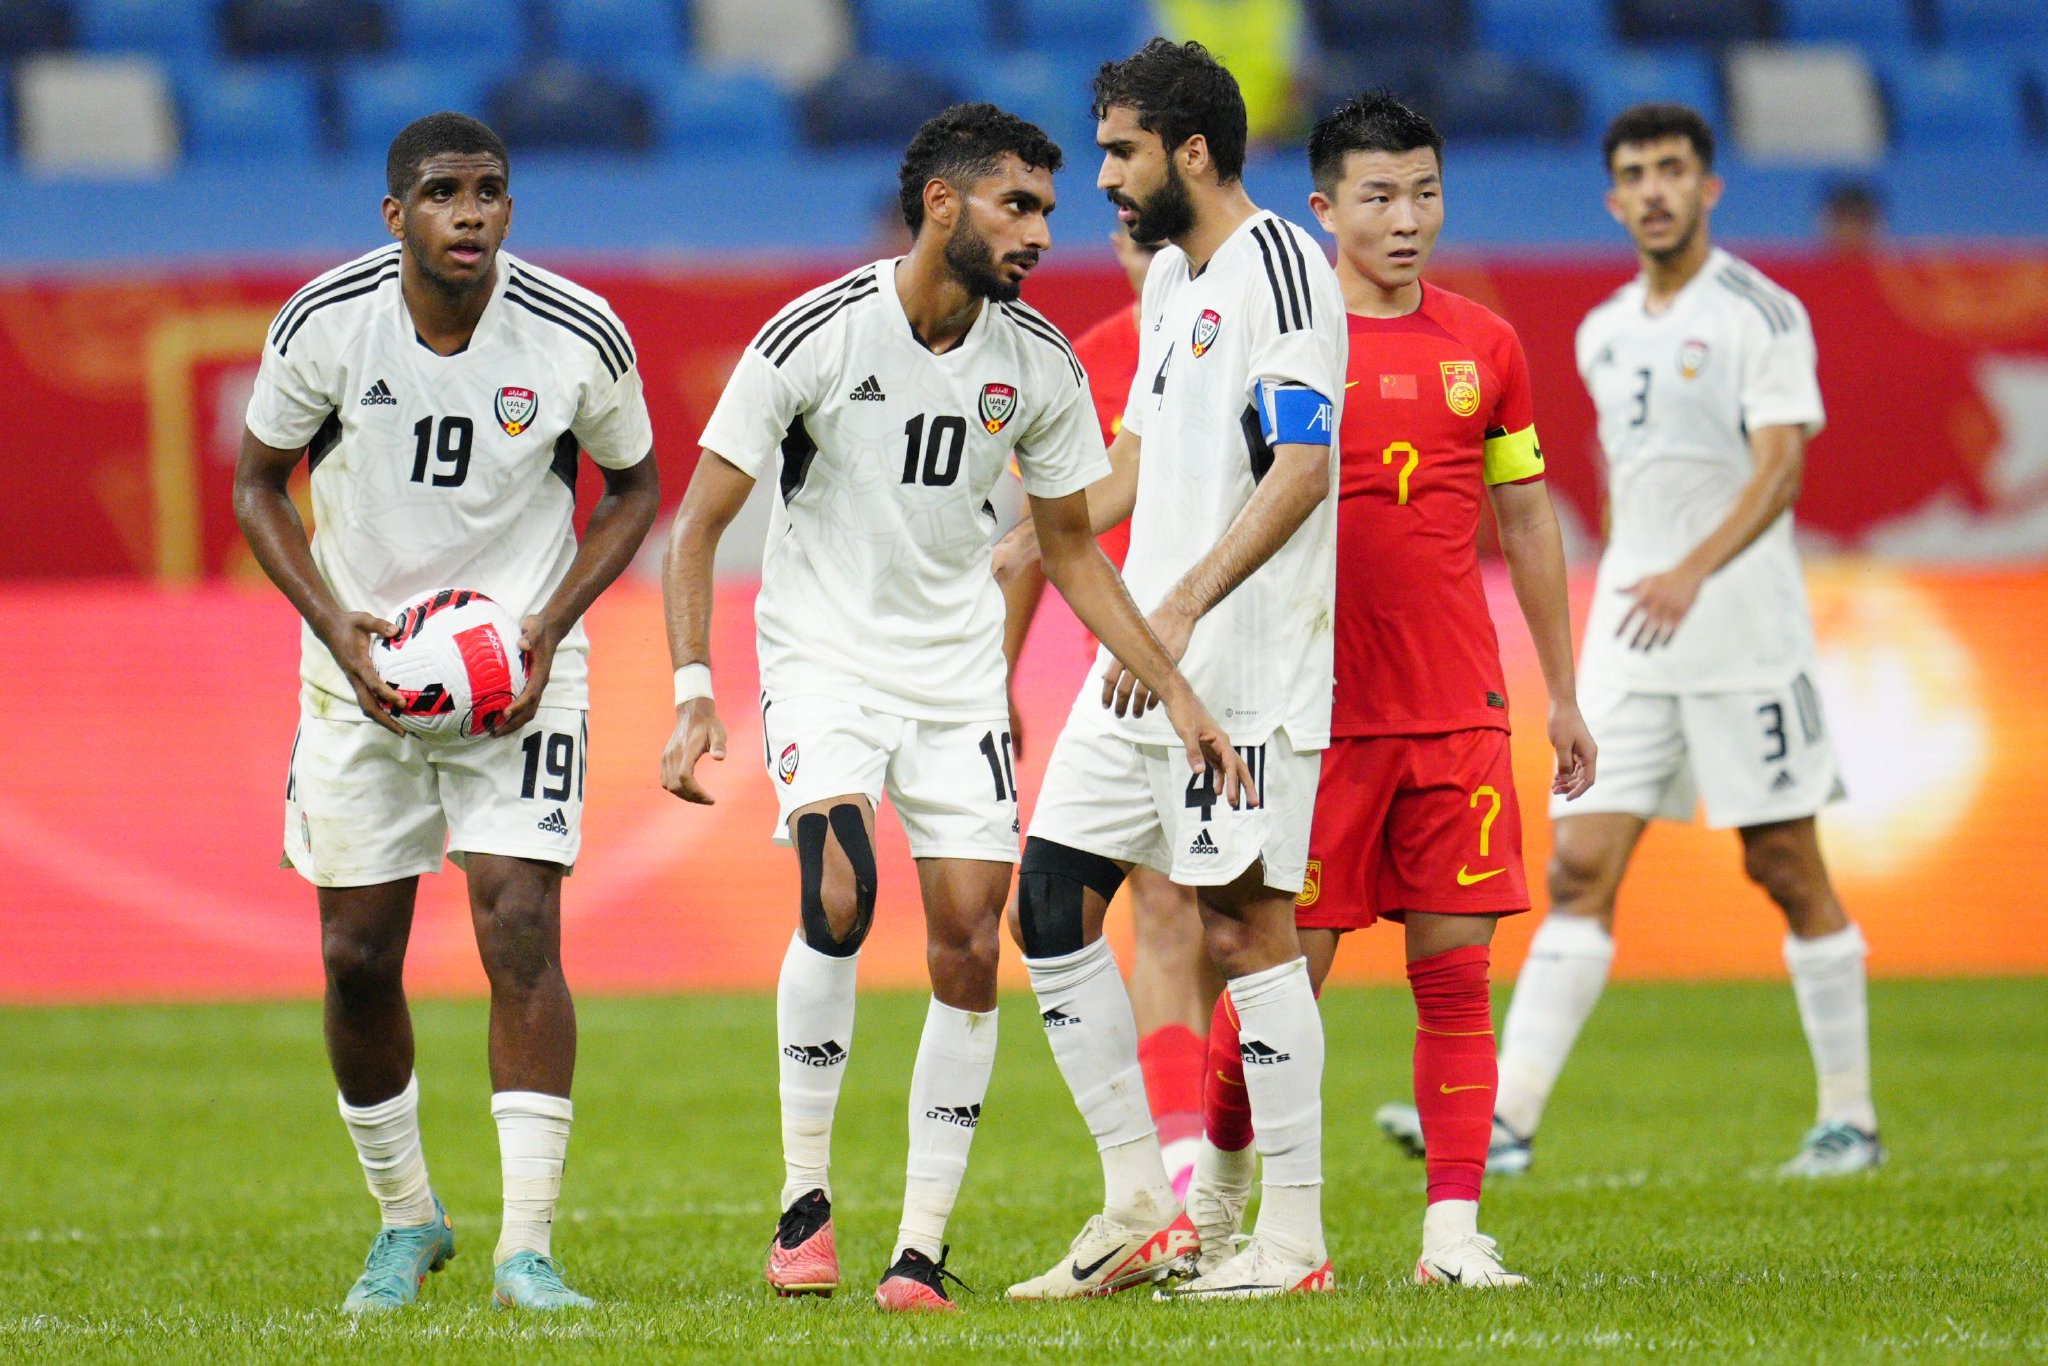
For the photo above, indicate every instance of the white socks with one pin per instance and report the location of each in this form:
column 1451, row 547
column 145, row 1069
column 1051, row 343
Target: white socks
column 947, row 1086
column 1281, row 1037
column 813, row 1033
column 1087, row 1016
column 387, row 1139
column 533, row 1142
column 1559, row 985
column 1446, row 1221
column 1834, row 1007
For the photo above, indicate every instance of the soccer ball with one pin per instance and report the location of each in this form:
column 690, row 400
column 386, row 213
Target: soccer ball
column 456, row 662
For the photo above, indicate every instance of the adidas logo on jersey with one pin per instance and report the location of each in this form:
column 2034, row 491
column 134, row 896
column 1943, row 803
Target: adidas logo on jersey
column 1202, row 844
column 1059, row 1019
column 1256, row 1054
column 380, row 392
column 867, row 391
column 966, row 1116
column 826, row 1054
column 553, row 823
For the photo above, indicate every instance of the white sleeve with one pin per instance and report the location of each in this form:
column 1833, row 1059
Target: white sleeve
column 753, row 414
column 1305, row 345
column 1061, row 452
column 292, row 396
column 612, row 424
column 1780, row 385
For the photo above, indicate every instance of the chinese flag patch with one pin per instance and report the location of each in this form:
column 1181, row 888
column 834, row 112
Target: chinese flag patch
column 1397, row 386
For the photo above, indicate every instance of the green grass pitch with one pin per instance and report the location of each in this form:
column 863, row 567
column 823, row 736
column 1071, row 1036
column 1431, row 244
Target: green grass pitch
column 175, row 1185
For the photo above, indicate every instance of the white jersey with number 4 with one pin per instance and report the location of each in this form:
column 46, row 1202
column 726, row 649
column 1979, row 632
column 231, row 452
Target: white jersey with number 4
column 432, row 471
column 1678, row 394
column 875, row 583
column 1266, row 309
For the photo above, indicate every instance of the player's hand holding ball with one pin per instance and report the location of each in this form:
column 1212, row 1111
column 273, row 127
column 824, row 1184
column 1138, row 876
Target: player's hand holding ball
column 452, row 669
column 698, row 732
column 537, row 642
column 348, row 638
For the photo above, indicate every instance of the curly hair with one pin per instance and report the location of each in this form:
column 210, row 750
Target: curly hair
column 1178, row 90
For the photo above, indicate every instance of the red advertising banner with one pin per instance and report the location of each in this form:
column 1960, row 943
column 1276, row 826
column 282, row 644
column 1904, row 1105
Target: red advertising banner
column 125, row 397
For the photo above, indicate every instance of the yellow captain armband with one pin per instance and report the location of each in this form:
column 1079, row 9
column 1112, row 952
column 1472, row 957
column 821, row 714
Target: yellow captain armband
column 1513, row 456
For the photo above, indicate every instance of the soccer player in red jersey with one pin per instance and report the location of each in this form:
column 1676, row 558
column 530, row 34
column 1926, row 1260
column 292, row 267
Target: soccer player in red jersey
column 1416, row 820
column 1172, row 981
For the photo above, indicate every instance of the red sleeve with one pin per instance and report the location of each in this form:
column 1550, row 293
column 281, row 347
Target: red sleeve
column 1516, row 407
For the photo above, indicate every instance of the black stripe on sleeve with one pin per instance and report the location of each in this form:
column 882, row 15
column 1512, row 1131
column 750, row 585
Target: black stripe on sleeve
column 1273, row 279
column 1308, row 298
column 537, row 308
column 338, row 278
column 622, row 349
column 389, row 274
column 1037, row 326
column 791, row 318
column 1742, row 291
column 831, row 311
column 1276, row 234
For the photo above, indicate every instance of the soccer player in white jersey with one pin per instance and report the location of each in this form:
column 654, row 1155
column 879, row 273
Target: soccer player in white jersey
column 1226, row 466
column 886, row 405
column 1697, row 670
column 440, row 389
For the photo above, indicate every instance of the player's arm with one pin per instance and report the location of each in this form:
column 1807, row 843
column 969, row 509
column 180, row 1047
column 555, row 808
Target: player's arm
column 1077, row 567
column 718, row 490
column 1023, row 586
column 1534, row 549
column 1661, row 601
column 277, row 537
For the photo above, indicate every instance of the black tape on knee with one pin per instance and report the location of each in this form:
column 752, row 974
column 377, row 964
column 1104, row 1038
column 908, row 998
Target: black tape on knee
column 847, row 827
column 1051, row 885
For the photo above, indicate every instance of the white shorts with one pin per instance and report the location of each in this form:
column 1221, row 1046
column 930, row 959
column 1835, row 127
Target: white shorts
column 1753, row 757
column 1142, row 804
column 952, row 782
column 363, row 806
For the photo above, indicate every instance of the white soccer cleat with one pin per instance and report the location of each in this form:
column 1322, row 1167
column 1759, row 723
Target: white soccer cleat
column 1507, row 1153
column 1217, row 1213
column 1107, row 1257
column 1256, row 1272
column 1471, row 1261
column 1836, row 1149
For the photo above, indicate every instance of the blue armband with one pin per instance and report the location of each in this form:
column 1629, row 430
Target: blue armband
column 1295, row 414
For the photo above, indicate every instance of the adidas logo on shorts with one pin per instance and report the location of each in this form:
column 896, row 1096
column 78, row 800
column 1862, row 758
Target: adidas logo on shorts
column 826, row 1054
column 1783, row 780
column 1256, row 1054
column 380, row 392
column 1059, row 1019
column 867, row 391
column 966, row 1116
column 554, row 823
column 1202, row 844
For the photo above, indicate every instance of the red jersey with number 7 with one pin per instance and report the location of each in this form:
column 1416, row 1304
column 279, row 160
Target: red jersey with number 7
column 1437, row 409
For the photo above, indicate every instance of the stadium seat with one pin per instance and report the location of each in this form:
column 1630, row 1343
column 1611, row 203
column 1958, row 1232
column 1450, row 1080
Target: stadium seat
column 240, row 111
column 920, row 30
column 565, row 106
column 378, row 98
column 176, row 30
column 604, row 31
column 1077, row 30
column 709, row 110
column 1533, row 29
column 490, row 30
column 33, row 26
column 1954, row 97
column 1868, row 23
column 1709, row 22
column 798, row 41
column 867, row 103
column 1613, row 82
column 301, row 28
column 1482, row 95
column 95, row 114
column 1365, row 26
column 1804, row 102
column 1994, row 23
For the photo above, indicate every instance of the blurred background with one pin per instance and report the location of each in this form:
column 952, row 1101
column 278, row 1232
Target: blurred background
column 171, row 170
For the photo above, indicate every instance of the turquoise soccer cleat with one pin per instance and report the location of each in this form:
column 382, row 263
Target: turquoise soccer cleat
column 399, row 1261
column 527, row 1280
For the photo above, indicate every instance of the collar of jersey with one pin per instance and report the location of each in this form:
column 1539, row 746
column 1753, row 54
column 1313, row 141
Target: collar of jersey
column 885, row 275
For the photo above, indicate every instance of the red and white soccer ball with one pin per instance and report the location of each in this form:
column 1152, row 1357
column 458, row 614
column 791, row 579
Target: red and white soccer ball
column 456, row 662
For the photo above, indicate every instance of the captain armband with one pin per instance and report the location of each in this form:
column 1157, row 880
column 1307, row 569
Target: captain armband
column 1294, row 414
column 1513, row 457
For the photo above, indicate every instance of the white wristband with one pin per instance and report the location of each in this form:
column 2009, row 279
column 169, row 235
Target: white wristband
column 692, row 682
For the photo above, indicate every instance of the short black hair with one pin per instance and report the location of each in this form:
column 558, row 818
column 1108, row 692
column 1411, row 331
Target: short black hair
column 436, row 135
column 1372, row 122
column 963, row 144
column 1651, row 122
column 1177, row 91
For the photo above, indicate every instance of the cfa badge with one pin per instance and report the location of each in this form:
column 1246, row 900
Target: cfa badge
column 1206, row 328
column 1311, row 884
column 515, row 409
column 1461, row 386
column 998, row 405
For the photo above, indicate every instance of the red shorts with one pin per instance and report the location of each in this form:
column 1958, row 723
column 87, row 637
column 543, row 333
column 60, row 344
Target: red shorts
column 1414, row 823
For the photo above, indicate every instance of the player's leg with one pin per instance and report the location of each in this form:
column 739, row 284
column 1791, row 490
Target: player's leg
column 1173, row 989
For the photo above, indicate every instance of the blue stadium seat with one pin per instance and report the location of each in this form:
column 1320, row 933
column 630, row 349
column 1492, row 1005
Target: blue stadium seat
column 913, row 31
column 1710, row 22
column 1954, row 97
column 239, row 111
column 1613, row 82
column 1867, row 23
column 174, row 29
column 869, row 103
column 1484, row 96
column 493, row 30
column 1988, row 23
column 562, row 106
column 1087, row 31
column 378, row 98
column 33, row 26
column 1365, row 26
column 301, row 28
column 1053, row 92
column 608, row 31
column 704, row 110
column 1538, row 28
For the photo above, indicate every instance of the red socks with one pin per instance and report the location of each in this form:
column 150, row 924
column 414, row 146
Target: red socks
column 1174, row 1060
column 1455, row 1072
column 1226, row 1109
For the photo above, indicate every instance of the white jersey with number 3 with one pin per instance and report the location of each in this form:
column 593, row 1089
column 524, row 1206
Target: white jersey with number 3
column 876, row 583
column 1678, row 394
column 432, row 471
